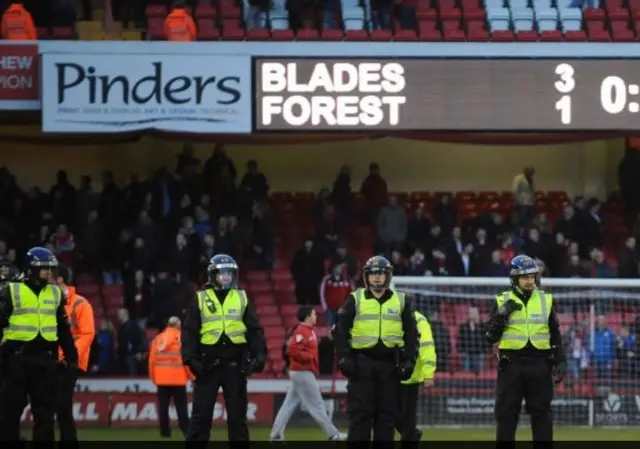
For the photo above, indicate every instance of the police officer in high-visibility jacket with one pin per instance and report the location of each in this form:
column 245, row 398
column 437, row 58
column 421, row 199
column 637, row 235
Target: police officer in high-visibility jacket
column 168, row 373
column 376, row 343
column 35, row 324
column 423, row 374
column 223, row 343
column 524, row 325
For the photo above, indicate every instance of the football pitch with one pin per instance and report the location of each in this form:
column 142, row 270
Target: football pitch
column 315, row 434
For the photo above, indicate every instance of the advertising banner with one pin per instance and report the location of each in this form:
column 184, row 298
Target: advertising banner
column 109, row 93
column 19, row 77
column 444, row 410
column 141, row 409
column 617, row 410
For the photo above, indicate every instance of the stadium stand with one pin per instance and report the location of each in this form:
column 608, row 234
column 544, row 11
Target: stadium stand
column 412, row 20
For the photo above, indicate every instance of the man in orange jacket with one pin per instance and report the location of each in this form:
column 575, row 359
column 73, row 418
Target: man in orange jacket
column 17, row 23
column 83, row 329
column 169, row 374
column 179, row 25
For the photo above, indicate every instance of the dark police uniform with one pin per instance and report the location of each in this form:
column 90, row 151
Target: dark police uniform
column 376, row 343
column 223, row 343
column 525, row 327
column 32, row 314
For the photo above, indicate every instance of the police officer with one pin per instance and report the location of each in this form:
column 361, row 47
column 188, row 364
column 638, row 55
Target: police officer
column 33, row 316
column 524, row 325
column 376, row 343
column 222, row 343
column 423, row 374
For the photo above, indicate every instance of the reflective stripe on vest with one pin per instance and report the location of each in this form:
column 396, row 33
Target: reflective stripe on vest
column 73, row 322
column 33, row 315
column 374, row 321
column 227, row 317
column 531, row 323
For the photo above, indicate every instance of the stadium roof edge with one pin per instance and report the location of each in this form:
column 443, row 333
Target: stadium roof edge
column 355, row 49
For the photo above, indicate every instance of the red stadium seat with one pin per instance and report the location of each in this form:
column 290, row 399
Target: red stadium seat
column 527, row 36
column 551, row 36
column 206, row 12
column 156, row 10
column 332, row 35
column 575, row 36
column 502, row 36
column 63, row 33
column 381, row 35
column 266, row 310
column 282, row 35
column 232, row 34
column 405, row 36
column 306, row 34
column 257, row 275
column 258, row 34
column 207, row 30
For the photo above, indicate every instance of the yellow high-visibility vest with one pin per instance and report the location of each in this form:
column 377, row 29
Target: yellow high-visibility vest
column 33, row 314
column 226, row 318
column 426, row 363
column 529, row 324
column 374, row 321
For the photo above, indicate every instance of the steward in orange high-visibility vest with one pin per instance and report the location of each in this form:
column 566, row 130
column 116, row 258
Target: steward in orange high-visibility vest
column 17, row 24
column 80, row 316
column 169, row 374
column 179, row 25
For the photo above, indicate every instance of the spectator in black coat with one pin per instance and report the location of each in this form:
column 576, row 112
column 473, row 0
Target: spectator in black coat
column 471, row 343
column 497, row 267
column 628, row 261
column 307, row 270
column 131, row 344
column 264, row 237
column 255, row 181
column 442, row 341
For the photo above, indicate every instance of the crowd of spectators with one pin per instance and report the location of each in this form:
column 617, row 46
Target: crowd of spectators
column 154, row 236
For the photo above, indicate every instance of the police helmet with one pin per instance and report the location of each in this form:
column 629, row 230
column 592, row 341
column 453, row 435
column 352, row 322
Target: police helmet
column 521, row 266
column 377, row 264
column 223, row 272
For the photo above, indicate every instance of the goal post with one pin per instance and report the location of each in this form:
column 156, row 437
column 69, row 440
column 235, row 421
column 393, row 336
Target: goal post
column 599, row 320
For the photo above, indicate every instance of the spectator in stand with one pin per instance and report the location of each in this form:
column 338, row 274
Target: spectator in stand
column 330, row 229
column 446, row 213
column 334, row 289
column 141, row 258
column 400, row 268
column 454, row 245
column 256, row 14
column 137, row 297
column 87, row 200
column 392, row 226
column 524, row 193
column 255, row 181
column 167, row 298
column 322, row 202
column 557, row 255
column 575, row 268
column 600, row 267
column 577, row 354
column 418, row 228
column 566, row 225
column 91, row 243
column 342, row 256
column 441, row 340
column 179, row 25
column 507, row 251
column 131, row 344
column 592, row 233
column 264, row 236
column 208, row 250
column 109, row 211
column 464, row 263
column 604, row 341
column 186, row 161
column 533, row 246
column 626, row 353
column 341, row 195
column 202, row 224
column 218, row 162
column 482, row 248
column 417, row 263
column 374, row 190
column 179, row 260
column 224, row 237
column 380, row 14
column 497, row 267
column 105, row 348
column 471, row 344
column 307, row 269
column 113, row 258
column 629, row 260
column 63, row 244
column 439, row 264
column 435, row 239
column 17, row 23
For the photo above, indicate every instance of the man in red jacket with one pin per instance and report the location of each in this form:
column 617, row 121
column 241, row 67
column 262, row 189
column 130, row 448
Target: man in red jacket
column 302, row 350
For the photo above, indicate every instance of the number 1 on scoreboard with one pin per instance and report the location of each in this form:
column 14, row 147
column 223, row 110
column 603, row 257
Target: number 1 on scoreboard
column 565, row 85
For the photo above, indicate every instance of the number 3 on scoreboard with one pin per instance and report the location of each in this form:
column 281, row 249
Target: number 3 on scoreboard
column 565, row 85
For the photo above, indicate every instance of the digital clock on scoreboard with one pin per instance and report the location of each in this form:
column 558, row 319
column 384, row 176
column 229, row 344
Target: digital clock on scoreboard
column 447, row 94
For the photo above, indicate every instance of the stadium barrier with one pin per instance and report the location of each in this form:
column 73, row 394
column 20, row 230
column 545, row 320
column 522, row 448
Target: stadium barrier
column 604, row 393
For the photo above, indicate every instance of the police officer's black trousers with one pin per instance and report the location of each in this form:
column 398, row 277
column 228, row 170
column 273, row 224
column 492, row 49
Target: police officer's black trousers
column 527, row 378
column 408, row 406
column 233, row 381
column 29, row 377
column 372, row 400
column 179, row 396
column 64, row 404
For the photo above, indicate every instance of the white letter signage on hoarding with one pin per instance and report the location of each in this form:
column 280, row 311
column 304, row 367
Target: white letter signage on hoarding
column 129, row 92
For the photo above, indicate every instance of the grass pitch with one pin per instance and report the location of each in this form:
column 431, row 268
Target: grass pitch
column 219, row 433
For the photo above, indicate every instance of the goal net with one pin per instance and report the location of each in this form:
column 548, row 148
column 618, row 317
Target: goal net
column 599, row 320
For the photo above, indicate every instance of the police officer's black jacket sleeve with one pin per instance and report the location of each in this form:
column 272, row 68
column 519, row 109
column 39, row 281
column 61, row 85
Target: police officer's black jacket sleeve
column 342, row 337
column 410, row 328
column 6, row 306
column 191, row 333
column 556, row 338
column 496, row 324
column 255, row 332
column 65, row 339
